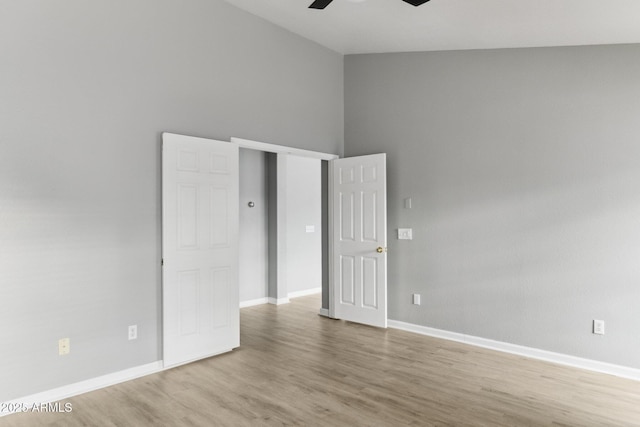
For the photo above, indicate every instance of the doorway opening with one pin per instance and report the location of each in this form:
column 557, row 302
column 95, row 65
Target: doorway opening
column 283, row 239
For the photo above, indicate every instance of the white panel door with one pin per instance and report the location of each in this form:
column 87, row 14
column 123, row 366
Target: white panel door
column 199, row 248
column 359, row 239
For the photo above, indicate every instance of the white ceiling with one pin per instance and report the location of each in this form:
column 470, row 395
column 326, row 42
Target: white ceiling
column 395, row 26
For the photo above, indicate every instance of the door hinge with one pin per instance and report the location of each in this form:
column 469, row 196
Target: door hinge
column 162, row 262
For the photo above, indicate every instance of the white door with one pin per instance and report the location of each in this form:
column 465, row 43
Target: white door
column 199, row 248
column 359, row 239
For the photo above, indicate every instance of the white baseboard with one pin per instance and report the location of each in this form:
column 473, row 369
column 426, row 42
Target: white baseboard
column 86, row 386
column 304, row 293
column 534, row 353
column 280, row 301
column 324, row 312
column 252, row 302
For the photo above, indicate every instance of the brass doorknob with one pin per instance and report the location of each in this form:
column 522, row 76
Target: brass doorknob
column 380, row 249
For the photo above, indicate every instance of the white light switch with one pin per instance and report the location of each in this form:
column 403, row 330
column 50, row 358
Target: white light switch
column 408, row 203
column 598, row 327
column 405, row 234
column 310, row 228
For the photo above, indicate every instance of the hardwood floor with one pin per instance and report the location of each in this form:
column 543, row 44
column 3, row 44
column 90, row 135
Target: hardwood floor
column 297, row 368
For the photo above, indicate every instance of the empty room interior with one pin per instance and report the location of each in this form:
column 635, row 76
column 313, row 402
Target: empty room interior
column 182, row 182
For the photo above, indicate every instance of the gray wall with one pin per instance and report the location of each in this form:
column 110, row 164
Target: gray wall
column 523, row 169
column 272, row 224
column 254, row 229
column 324, row 183
column 303, row 208
column 86, row 88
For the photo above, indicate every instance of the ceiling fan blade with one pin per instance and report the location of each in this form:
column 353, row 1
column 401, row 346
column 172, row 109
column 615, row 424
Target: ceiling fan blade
column 321, row 4
column 416, row 2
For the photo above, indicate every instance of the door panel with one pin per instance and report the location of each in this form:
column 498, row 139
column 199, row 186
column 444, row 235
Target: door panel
column 359, row 215
column 199, row 248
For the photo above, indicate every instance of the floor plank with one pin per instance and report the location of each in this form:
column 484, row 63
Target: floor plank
column 297, row 368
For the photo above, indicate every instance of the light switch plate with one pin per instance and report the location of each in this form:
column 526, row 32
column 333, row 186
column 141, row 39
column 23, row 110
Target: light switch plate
column 598, row 327
column 405, row 234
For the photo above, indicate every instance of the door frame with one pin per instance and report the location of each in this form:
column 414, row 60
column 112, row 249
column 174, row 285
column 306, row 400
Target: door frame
column 281, row 201
column 281, row 149
column 331, row 309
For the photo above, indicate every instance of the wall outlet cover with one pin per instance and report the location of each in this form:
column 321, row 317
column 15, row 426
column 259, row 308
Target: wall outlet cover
column 405, row 234
column 64, row 346
column 133, row 332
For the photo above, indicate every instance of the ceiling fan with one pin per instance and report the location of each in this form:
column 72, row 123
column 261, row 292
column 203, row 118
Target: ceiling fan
column 321, row 4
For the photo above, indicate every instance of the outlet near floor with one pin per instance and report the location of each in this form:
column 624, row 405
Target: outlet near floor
column 64, row 346
column 133, row 332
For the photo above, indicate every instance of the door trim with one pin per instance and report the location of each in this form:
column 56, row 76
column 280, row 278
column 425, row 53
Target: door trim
column 331, row 246
column 281, row 149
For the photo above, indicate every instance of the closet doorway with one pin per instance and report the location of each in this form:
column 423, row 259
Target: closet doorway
column 283, row 224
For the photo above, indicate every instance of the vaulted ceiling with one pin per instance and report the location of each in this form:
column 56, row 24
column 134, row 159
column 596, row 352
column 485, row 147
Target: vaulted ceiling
column 367, row 26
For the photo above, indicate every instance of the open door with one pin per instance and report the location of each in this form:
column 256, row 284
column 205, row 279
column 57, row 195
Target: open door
column 358, row 239
column 200, row 215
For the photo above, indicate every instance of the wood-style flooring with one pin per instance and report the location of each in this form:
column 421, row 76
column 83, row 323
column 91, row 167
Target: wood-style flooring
column 297, row 368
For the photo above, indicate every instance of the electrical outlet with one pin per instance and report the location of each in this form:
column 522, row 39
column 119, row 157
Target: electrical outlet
column 416, row 299
column 133, row 332
column 598, row 327
column 64, row 346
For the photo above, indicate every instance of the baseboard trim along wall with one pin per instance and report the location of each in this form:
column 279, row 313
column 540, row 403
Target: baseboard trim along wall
column 279, row 301
column 324, row 312
column 81, row 387
column 304, row 293
column 534, row 353
column 252, row 302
